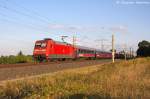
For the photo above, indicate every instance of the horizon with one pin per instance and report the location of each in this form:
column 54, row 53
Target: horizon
column 22, row 22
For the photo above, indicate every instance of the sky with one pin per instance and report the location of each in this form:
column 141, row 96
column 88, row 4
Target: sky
column 22, row 22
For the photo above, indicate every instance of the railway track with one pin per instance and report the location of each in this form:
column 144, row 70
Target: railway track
column 8, row 72
column 43, row 63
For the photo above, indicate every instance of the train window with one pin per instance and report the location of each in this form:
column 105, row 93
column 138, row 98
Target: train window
column 79, row 50
column 43, row 45
column 82, row 51
column 38, row 45
column 85, row 51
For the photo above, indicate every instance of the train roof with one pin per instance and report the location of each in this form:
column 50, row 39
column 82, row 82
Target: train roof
column 63, row 43
column 77, row 46
column 83, row 47
column 88, row 48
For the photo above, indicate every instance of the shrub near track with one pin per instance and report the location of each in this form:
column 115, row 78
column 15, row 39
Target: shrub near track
column 125, row 79
column 15, row 59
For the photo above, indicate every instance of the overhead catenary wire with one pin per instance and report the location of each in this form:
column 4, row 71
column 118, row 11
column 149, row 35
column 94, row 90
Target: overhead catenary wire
column 44, row 18
column 30, row 16
column 21, row 13
column 15, row 20
column 31, row 23
column 28, row 26
column 12, row 20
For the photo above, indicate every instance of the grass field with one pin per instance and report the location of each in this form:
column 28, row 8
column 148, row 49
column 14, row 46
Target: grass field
column 125, row 80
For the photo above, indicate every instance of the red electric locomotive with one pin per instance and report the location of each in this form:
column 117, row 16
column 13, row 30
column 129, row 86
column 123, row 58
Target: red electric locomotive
column 49, row 49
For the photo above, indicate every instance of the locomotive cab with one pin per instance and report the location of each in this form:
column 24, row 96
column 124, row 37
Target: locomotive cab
column 40, row 50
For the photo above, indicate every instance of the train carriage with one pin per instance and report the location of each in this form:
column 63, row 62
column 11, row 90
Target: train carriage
column 49, row 49
column 102, row 54
column 85, row 52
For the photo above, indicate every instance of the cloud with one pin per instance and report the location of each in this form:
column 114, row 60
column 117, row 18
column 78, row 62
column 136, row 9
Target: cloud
column 120, row 29
column 64, row 27
column 75, row 28
column 56, row 26
column 89, row 29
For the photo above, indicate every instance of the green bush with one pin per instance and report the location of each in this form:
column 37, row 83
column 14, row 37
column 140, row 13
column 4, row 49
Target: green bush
column 15, row 59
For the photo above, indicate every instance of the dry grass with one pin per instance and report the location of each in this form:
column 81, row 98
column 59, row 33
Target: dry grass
column 130, row 79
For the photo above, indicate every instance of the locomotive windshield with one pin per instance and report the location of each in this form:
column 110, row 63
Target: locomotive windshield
column 40, row 44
